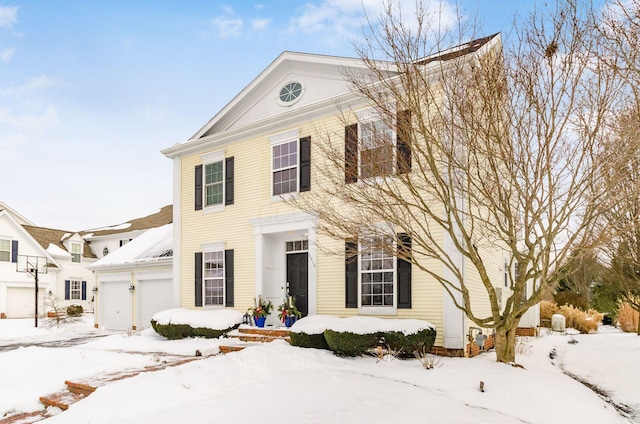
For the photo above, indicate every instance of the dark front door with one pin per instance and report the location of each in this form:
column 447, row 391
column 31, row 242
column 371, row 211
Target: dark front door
column 298, row 280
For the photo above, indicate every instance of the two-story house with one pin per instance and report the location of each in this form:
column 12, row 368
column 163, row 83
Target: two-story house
column 236, row 238
column 66, row 254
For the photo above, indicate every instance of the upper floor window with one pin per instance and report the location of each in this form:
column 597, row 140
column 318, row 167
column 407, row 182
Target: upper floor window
column 124, row 241
column 213, row 263
column 374, row 148
column 213, row 184
column 285, row 168
column 214, row 181
column 105, row 251
column 290, row 163
column 5, row 250
column 376, row 154
column 76, row 252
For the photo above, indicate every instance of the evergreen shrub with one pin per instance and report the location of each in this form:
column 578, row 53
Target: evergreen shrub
column 74, row 310
column 181, row 331
column 350, row 344
column 314, row 341
column 421, row 341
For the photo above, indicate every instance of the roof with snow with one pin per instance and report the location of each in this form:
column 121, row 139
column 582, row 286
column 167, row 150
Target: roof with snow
column 155, row 245
column 160, row 217
column 46, row 237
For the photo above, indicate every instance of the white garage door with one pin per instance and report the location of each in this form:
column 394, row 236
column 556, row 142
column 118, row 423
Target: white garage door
column 153, row 296
column 115, row 305
column 21, row 302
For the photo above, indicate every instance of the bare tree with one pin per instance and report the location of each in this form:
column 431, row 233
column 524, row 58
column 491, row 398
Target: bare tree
column 495, row 150
column 619, row 29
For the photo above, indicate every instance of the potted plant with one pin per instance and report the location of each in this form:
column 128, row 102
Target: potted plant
column 288, row 313
column 261, row 309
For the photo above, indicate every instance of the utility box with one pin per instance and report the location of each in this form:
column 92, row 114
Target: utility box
column 558, row 323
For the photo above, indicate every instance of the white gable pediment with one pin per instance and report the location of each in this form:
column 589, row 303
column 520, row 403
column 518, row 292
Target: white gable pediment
column 321, row 79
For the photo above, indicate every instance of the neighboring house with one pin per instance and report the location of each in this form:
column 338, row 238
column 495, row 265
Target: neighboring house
column 69, row 279
column 136, row 281
column 107, row 240
column 236, row 239
column 66, row 280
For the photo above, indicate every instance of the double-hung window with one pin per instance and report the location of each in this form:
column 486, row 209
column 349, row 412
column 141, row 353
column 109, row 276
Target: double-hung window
column 75, row 290
column 377, row 151
column 213, row 184
column 377, row 273
column 5, row 250
column 285, row 167
column 213, row 278
column 76, row 252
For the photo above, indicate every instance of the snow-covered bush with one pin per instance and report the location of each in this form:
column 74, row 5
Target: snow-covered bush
column 181, row 323
column 309, row 331
column 354, row 336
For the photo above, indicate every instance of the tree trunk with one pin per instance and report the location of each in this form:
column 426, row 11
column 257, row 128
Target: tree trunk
column 505, row 343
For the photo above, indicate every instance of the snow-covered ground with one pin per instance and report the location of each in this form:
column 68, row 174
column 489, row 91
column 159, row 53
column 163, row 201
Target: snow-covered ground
column 276, row 382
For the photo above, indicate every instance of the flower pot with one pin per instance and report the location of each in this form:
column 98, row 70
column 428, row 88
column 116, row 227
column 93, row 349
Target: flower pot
column 290, row 320
column 259, row 321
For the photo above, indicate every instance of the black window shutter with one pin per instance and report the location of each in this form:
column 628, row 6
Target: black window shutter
column 198, row 185
column 351, row 153
column 67, row 289
column 403, row 141
column 198, row 279
column 228, row 181
column 228, row 277
column 305, row 164
column 351, row 273
column 84, row 290
column 14, row 251
column 404, row 272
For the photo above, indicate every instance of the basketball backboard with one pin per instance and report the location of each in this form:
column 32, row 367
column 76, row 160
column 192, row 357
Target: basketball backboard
column 31, row 263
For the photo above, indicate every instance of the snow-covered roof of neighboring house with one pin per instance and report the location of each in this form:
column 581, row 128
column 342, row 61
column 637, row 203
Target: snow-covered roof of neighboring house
column 155, row 245
column 46, row 237
column 158, row 218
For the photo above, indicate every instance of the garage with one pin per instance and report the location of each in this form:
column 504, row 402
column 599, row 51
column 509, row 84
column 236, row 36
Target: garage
column 114, row 299
column 21, row 302
column 153, row 295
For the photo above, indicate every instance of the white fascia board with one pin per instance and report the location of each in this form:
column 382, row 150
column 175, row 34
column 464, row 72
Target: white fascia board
column 133, row 266
column 266, row 126
column 26, row 235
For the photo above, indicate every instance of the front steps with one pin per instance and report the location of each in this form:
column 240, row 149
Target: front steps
column 246, row 336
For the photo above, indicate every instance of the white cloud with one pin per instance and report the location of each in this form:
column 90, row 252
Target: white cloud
column 228, row 27
column 35, row 123
column 344, row 18
column 33, row 84
column 6, row 54
column 258, row 24
column 8, row 16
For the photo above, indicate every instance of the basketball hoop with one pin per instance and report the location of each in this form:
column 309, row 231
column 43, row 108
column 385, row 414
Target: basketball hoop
column 33, row 265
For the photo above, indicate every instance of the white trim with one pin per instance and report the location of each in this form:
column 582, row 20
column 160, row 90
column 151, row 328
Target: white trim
column 120, row 276
column 284, row 136
column 211, row 157
column 177, row 194
column 213, row 246
column 283, row 224
column 378, row 309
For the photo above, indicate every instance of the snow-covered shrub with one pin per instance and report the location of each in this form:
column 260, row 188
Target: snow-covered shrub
column 409, row 343
column 74, row 310
column 181, row 323
column 350, row 344
column 627, row 318
column 309, row 331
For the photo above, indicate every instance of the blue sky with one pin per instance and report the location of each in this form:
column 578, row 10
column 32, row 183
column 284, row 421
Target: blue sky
column 91, row 91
